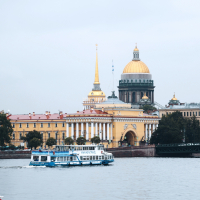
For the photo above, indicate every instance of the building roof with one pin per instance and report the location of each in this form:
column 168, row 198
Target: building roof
column 89, row 112
column 37, row 116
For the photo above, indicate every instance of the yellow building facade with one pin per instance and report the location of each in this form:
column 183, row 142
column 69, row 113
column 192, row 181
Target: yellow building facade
column 115, row 122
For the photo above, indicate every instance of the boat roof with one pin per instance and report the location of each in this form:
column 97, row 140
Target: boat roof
column 90, row 145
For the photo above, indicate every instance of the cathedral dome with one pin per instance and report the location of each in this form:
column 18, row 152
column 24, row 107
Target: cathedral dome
column 136, row 66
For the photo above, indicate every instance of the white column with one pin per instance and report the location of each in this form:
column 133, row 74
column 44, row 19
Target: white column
column 92, row 129
column 146, row 132
column 111, row 138
column 108, row 131
column 100, row 134
column 87, row 135
column 96, row 129
column 77, row 131
column 153, row 128
column 67, row 130
column 104, row 132
column 82, row 134
column 149, row 131
column 72, row 130
column 156, row 125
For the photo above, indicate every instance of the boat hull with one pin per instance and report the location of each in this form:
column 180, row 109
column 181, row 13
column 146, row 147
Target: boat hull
column 78, row 163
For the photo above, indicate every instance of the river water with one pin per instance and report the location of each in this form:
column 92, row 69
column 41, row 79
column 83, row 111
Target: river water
column 126, row 178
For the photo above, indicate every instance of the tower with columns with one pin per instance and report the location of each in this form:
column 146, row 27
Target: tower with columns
column 96, row 95
column 136, row 81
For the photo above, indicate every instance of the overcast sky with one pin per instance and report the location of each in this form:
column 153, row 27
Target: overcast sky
column 47, row 50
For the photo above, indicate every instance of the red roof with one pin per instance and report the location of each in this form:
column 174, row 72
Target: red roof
column 37, row 117
column 88, row 112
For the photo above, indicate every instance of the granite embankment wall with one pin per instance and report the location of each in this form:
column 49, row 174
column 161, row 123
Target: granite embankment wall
column 15, row 154
column 140, row 151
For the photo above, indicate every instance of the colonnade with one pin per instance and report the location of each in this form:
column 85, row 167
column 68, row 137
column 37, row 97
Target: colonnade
column 149, row 129
column 103, row 130
column 127, row 97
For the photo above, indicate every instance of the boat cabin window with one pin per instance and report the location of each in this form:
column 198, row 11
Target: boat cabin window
column 91, row 148
column 100, row 148
column 43, row 158
column 36, row 158
column 60, row 159
column 53, row 159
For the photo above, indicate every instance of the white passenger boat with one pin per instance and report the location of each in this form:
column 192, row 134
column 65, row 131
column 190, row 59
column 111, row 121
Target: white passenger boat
column 72, row 155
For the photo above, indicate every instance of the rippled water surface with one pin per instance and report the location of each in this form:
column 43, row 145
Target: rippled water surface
column 126, row 178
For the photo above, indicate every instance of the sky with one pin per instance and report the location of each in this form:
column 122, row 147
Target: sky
column 47, row 50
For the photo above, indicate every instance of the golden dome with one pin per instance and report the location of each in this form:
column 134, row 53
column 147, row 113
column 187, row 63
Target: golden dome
column 174, row 98
column 145, row 96
column 136, row 67
column 136, row 49
column 97, row 93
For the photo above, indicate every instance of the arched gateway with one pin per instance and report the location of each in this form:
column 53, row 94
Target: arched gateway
column 129, row 138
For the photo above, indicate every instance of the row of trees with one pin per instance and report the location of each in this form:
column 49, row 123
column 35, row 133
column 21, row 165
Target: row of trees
column 174, row 128
column 34, row 139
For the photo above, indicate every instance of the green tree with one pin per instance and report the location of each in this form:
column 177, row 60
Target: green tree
column 95, row 140
column 192, row 130
column 69, row 141
column 35, row 142
column 5, row 130
column 51, row 141
column 81, row 140
column 174, row 128
column 31, row 135
column 148, row 108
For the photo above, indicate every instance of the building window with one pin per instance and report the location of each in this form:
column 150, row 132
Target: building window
column 13, row 136
column 49, row 135
column 63, row 125
column 41, row 125
column 20, row 125
column 196, row 113
column 167, row 113
column 199, row 113
column 48, row 125
column 190, row 113
column 184, row 114
column 162, row 115
column 56, row 125
column 63, row 135
column 70, row 125
column 20, row 135
column 41, row 134
column 34, row 125
column 56, row 135
column 13, row 125
column 113, row 126
column 187, row 113
column 193, row 114
column 27, row 125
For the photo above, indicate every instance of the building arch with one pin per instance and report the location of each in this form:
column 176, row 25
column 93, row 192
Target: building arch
column 130, row 137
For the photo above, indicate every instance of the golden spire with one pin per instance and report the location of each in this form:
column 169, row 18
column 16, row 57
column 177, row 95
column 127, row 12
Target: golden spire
column 96, row 80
